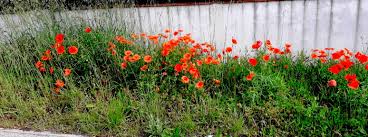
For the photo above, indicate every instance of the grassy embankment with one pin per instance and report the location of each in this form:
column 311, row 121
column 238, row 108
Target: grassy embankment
column 288, row 95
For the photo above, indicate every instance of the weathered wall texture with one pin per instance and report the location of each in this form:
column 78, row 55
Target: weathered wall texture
column 306, row 24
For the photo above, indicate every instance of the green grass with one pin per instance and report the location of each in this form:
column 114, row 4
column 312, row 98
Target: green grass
column 101, row 99
column 277, row 102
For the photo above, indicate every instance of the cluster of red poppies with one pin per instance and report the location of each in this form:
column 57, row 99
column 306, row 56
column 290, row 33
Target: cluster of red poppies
column 57, row 50
column 344, row 63
column 188, row 63
column 199, row 53
column 194, row 55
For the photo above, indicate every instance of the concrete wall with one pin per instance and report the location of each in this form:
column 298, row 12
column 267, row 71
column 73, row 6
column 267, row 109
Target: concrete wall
column 306, row 24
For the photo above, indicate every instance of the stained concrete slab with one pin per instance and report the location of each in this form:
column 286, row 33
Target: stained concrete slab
column 21, row 133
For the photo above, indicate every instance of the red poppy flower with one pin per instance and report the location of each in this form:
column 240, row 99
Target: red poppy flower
column 346, row 63
column 182, row 60
column 67, row 72
column 199, row 62
column 350, row 77
column 126, row 58
column 124, row 65
column 42, row 69
column 165, row 52
column 45, row 58
column 332, row 83
column 234, row 41
column 153, row 38
column 144, row 67
column 255, row 46
column 323, row 54
column 73, row 50
column 59, row 38
column 259, row 42
column 57, row 90
column 208, row 60
column 366, row 67
column 266, row 58
column 130, row 59
column 176, row 33
column 88, row 29
column 361, row 57
column 134, row 36
column 59, row 83
column 228, row 49
column 276, row 51
column 354, row 84
column 123, row 40
column 252, row 61
column 60, row 50
column 184, row 65
column 193, row 70
column 329, row 49
column 51, row 70
column 268, row 42
column 128, row 53
column 193, row 50
column 219, row 56
column 38, row 64
column 187, row 56
column 136, row 57
column 287, row 50
column 143, row 34
column 337, row 55
column 167, row 30
column 250, row 76
column 335, row 69
column 47, row 55
column 178, row 68
column 185, row 79
column 199, row 84
column 236, row 57
column 314, row 55
column 215, row 62
column 111, row 46
column 217, row 82
column 48, row 52
column 147, row 58
column 196, row 75
column 113, row 52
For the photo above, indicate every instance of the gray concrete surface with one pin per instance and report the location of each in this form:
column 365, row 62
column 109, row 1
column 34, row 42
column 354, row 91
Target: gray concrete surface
column 20, row 133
